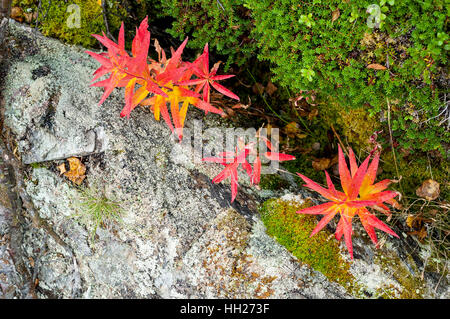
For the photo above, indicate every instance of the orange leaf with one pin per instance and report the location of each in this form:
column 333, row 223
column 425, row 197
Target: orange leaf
column 376, row 66
column 77, row 171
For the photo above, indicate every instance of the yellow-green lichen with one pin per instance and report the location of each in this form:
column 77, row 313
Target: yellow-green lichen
column 292, row 230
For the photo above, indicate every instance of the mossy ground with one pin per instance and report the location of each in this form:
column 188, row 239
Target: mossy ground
column 321, row 251
column 273, row 182
column 56, row 19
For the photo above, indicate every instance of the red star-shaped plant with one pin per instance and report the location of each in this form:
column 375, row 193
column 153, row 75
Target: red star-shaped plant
column 207, row 78
column 359, row 192
column 231, row 161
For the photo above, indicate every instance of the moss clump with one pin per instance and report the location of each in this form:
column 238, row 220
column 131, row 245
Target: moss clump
column 309, row 51
column 415, row 170
column 224, row 24
column 357, row 126
column 58, row 19
column 273, row 182
column 293, row 231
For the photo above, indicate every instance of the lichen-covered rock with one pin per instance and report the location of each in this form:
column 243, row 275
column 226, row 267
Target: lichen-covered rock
column 176, row 235
column 49, row 106
column 13, row 282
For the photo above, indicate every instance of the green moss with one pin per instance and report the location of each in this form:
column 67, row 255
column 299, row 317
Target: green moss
column 57, row 19
column 415, row 170
column 224, row 24
column 36, row 165
column 293, row 231
column 273, row 182
column 357, row 126
column 310, row 51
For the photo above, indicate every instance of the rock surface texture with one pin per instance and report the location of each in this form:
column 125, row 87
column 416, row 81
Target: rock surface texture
column 178, row 236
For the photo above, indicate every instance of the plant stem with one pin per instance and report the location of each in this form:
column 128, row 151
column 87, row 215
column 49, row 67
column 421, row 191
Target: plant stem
column 392, row 144
column 277, row 115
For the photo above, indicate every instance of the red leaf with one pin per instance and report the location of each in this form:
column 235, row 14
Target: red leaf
column 279, row 156
column 256, row 176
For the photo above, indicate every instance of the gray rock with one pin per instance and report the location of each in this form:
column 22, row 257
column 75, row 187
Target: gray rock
column 51, row 108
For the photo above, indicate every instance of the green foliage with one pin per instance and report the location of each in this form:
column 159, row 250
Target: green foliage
column 308, row 50
column 224, row 24
column 327, row 46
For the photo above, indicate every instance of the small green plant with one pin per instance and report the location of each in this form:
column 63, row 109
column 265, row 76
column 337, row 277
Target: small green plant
column 308, row 73
column 307, row 20
column 97, row 210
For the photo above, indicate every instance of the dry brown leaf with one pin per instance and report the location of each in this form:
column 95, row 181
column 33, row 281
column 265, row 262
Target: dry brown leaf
column 31, row 260
column 428, row 190
column 29, row 17
column 376, row 66
column 258, row 88
column 313, row 114
column 229, row 111
column 271, row 88
column 396, row 204
column 77, row 171
column 291, row 129
column 334, row 160
column 421, row 234
column 240, row 106
column 17, row 14
column 160, row 51
column 411, row 221
column 61, row 168
column 321, row 164
column 335, row 15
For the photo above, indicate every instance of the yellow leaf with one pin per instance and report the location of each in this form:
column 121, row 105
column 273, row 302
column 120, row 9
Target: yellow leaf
column 77, row 171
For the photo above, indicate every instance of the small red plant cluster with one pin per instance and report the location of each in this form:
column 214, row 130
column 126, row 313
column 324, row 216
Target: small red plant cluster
column 359, row 192
column 157, row 83
column 232, row 160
